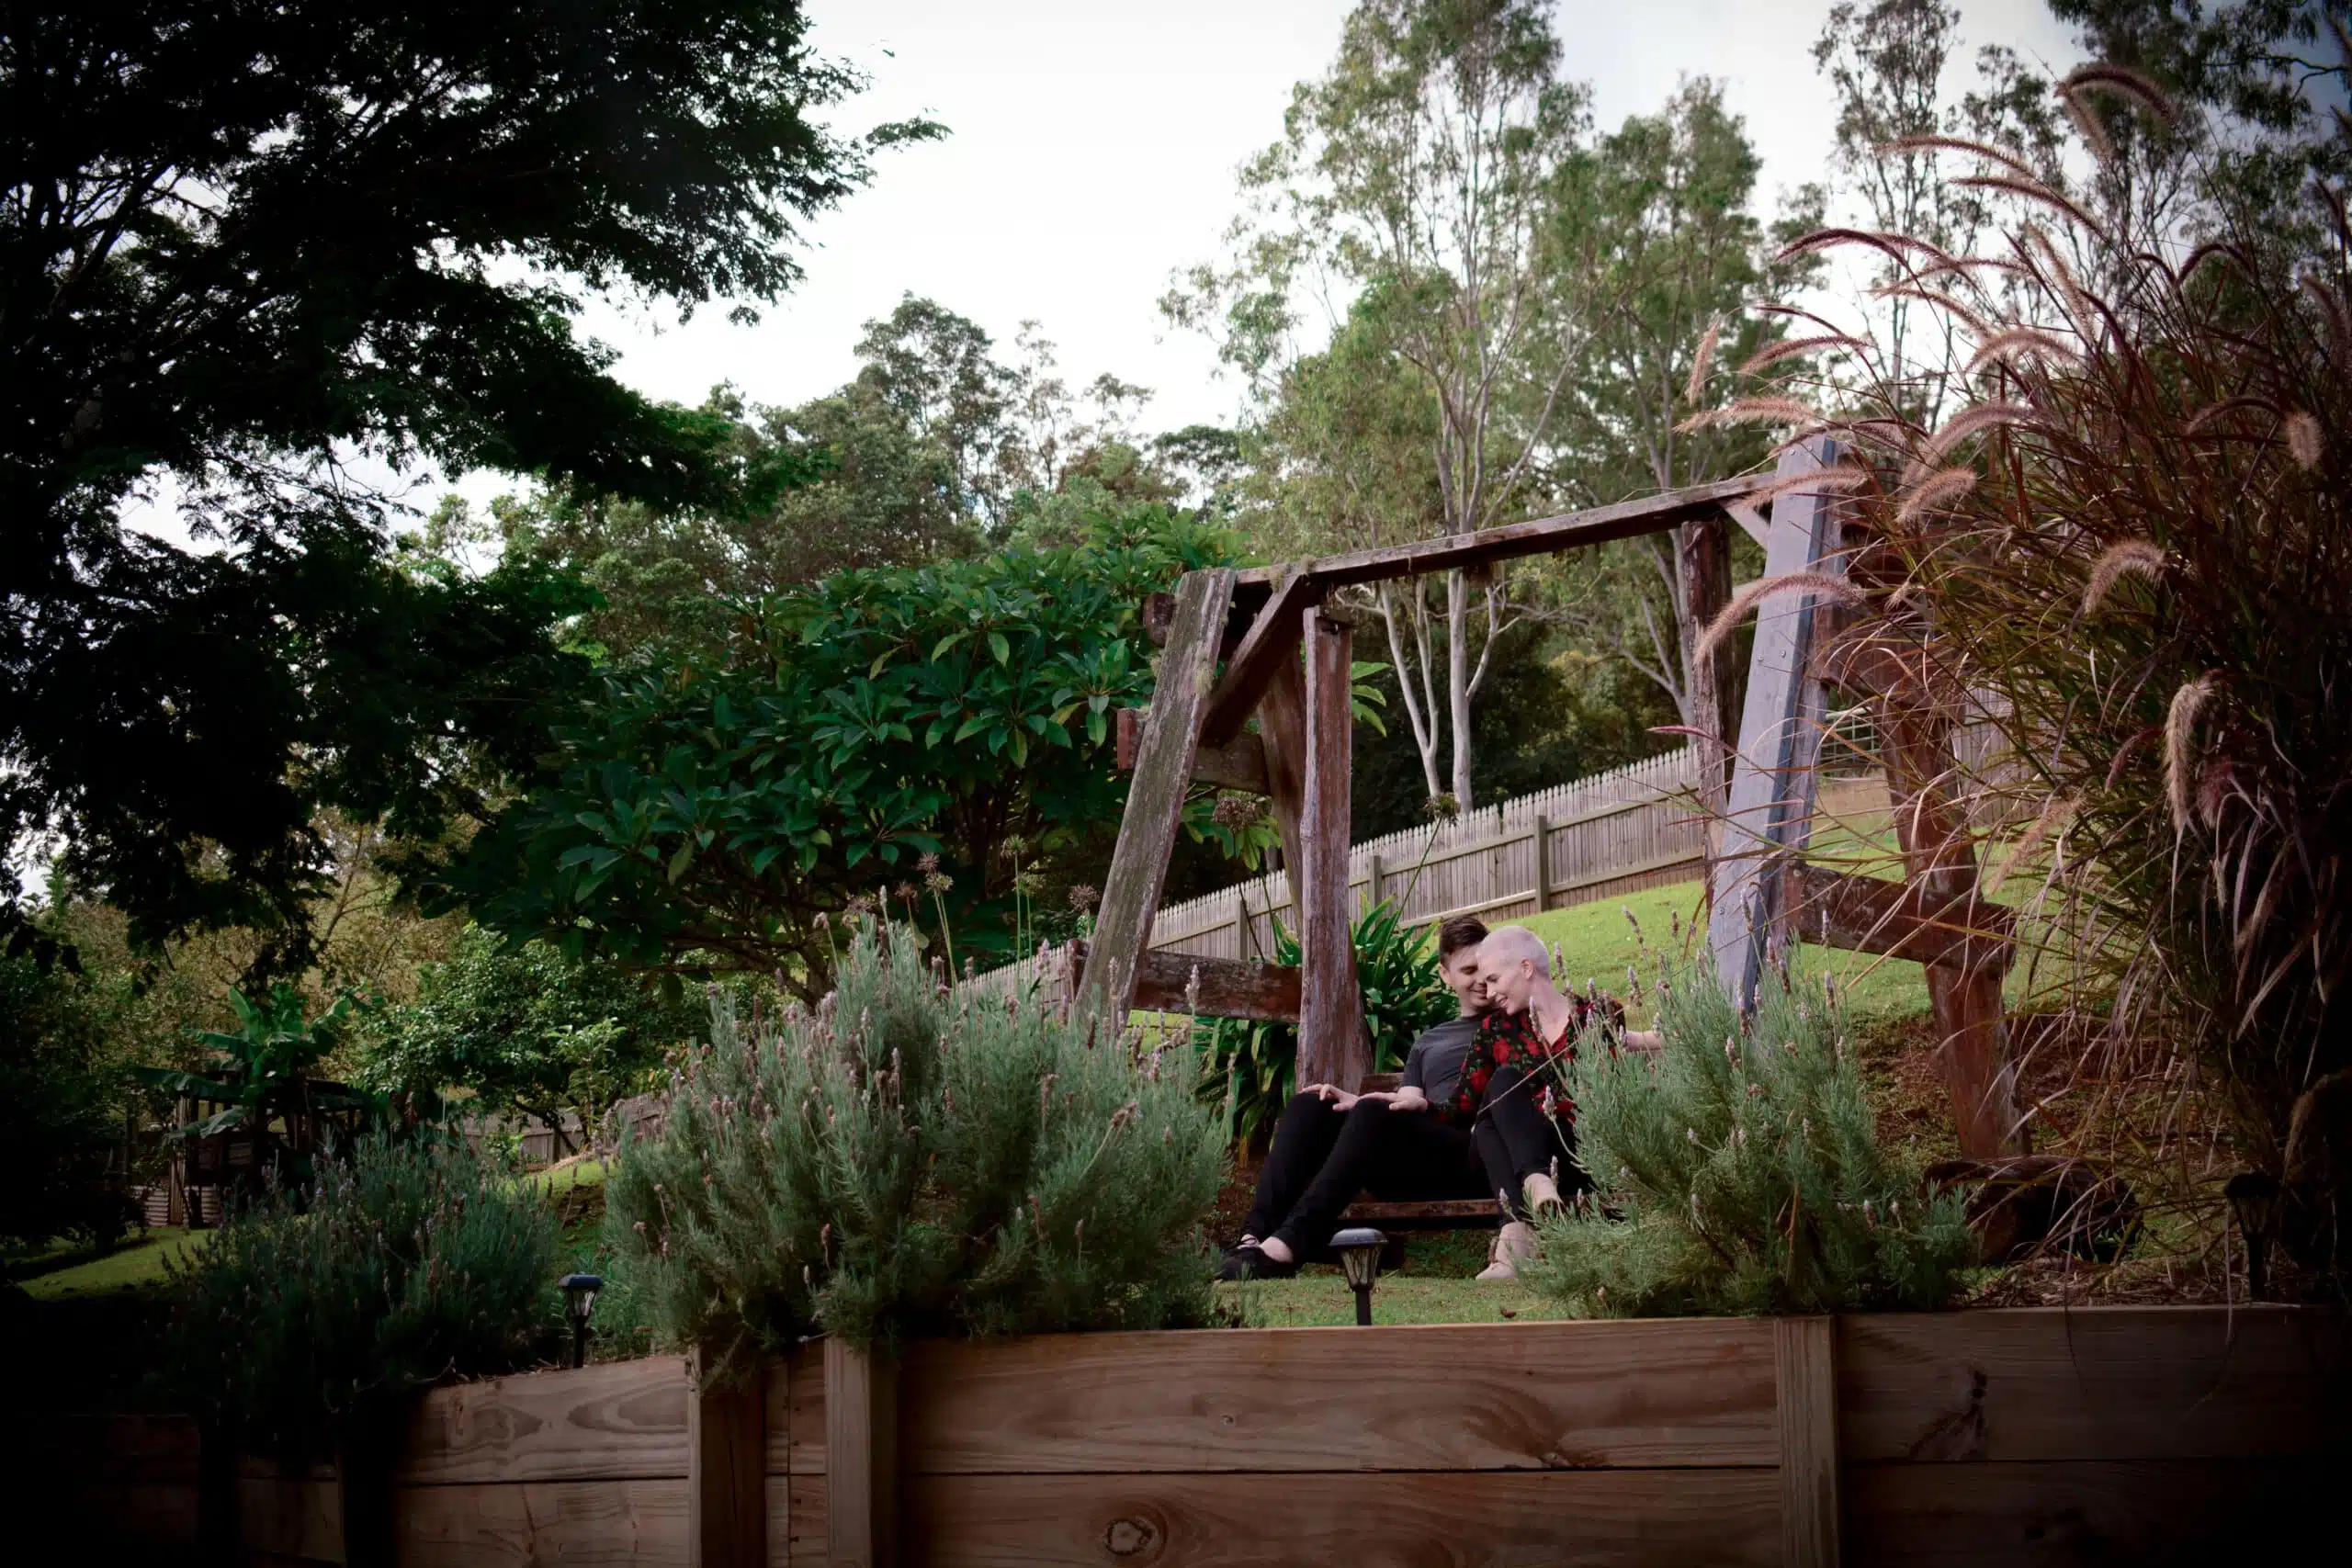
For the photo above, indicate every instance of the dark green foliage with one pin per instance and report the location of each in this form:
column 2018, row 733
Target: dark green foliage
column 58, row 1117
column 264, row 1071
column 1741, row 1172
column 242, row 243
column 1251, row 1067
column 412, row 1263
column 527, row 1030
column 704, row 818
column 901, row 1164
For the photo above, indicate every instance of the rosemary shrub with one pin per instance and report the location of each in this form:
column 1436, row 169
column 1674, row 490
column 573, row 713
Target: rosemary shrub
column 1740, row 1172
column 903, row 1163
column 413, row 1262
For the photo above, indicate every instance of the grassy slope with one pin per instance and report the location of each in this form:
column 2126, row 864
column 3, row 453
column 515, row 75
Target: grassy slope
column 136, row 1264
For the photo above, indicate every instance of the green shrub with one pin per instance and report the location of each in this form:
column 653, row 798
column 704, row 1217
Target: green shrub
column 1740, row 1172
column 901, row 1164
column 1251, row 1067
column 410, row 1263
column 59, row 1120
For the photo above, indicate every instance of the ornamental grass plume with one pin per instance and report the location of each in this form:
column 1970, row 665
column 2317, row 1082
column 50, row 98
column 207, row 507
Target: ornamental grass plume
column 1740, row 1172
column 905, row 1162
column 2129, row 554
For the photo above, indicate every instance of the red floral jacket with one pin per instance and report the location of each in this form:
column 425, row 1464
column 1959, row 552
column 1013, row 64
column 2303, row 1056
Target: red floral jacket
column 1513, row 1039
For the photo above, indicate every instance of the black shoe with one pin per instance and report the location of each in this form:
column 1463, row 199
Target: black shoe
column 1252, row 1263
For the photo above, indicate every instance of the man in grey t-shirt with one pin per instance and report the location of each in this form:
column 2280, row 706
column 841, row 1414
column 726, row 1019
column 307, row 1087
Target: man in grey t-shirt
column 1332, row 1144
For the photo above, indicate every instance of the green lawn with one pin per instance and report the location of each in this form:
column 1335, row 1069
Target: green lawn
column 138, row 1262
column 1320, row 1296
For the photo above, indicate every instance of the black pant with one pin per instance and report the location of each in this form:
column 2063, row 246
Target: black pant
column 1515, row 1139
column 1322, row 1158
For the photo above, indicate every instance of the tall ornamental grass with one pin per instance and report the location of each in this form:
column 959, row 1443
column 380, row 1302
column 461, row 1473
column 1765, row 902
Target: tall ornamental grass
column 2128, row 550
column 901, row 1163
column 1739, row 1171
column 412, row 1263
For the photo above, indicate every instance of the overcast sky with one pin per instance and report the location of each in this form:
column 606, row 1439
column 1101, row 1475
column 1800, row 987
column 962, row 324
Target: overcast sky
column 1092, row 151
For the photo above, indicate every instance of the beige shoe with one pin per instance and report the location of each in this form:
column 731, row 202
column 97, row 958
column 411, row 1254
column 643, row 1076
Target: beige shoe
column 1513, row 1242
column 1542, row 1193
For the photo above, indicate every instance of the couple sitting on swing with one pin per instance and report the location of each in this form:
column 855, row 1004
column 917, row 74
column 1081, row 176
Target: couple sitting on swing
column 1479, row 1112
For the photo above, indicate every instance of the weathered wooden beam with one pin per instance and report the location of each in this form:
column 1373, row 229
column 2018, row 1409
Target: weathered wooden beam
column 1164, row 760
column 1159, row 619
column 1544, row 536
column 727, row 1515
column 1229, row 987
column 861, row 1459
column 1331, row 1043
column 1864, row 914
column 1272, row 642
column 1772, row 779
column 1805, row 1377
column 1239, row 764
column 1752, row 522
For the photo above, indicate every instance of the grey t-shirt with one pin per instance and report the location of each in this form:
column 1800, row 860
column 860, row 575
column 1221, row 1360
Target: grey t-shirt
column 1434, row 1064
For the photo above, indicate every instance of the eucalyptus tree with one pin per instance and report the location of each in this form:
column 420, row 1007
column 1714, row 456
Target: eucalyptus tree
column 1409, row 194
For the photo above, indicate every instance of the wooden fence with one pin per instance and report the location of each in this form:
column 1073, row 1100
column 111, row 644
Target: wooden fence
column 2140, row 1435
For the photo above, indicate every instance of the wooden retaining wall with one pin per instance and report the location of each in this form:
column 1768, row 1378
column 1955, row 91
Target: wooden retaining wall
column 2123, row 1435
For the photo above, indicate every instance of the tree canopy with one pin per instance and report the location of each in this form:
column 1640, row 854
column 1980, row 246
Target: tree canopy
column 243, row 247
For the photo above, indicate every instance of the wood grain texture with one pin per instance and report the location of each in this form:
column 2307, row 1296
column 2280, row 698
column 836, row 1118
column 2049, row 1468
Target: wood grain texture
column 1238, row 764
column 2072, row 1513
column 805, row 1534
column 1804, row 1351
column 1542, row 535
column 292, row 1518
column 1405, row 1214
column 796, row 1413
column 1868, row 914
column 1533, row 1396
column 1272, row 641
column 1281, row 729
column 577, row 1524
column 615, row 1420
column 1229, row 987
column 1770, row 793
column 1623, row 1520
column 862, row 1467
column 2097, row 1383
column 725, row 1496
column 1332, row 1048
column 1156, row 798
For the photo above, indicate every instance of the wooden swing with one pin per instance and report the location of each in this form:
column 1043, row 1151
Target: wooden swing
column 1233, row 644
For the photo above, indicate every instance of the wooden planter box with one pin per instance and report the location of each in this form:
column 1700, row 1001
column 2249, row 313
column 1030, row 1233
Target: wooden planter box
column 2124, row 1434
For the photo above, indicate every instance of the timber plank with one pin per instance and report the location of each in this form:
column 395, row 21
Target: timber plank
column 1156, row 798
column 726, row 1491
column 1374, row 1214
column 2069, row 1513
column 862, row 1470
column 796, row 1414
column 1332, row 1046
column 626, row 1524
column 112, row 1448
column 806, row 1532
column 1806, row 1351
column 1513, row 1397
column 1229, row 987
column 1239, row 764
column 292, row 1518
column 2096, row 1383
column 1868, row 914
column 612, row 1421
column 1543, row 535
column 1623, row 1520
column 1272, row 641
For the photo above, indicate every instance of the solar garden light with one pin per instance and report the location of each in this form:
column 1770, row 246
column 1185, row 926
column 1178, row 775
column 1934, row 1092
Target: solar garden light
column 579, row 1301
column 1358, row 1253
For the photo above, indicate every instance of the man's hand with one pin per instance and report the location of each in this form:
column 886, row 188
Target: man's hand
column 1340, row 1099
column 1408, row 1098
column 1648, row 1042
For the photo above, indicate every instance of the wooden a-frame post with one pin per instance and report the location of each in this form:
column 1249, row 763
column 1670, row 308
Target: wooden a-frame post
column 1255, row 625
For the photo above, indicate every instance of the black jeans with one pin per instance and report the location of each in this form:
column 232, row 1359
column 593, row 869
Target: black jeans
column 1515, row 1139
column 1323, row 1158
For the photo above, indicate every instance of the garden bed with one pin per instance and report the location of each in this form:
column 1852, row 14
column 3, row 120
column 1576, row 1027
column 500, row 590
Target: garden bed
column 2125, row 1434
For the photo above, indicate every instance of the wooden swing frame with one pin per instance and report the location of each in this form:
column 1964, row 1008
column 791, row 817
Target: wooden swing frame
column 1233, row 643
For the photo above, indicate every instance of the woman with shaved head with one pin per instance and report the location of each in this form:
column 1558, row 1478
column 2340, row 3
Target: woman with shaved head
column 1523, row 1121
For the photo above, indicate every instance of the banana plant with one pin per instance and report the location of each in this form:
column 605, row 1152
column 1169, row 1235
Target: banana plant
column 265, row 1066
